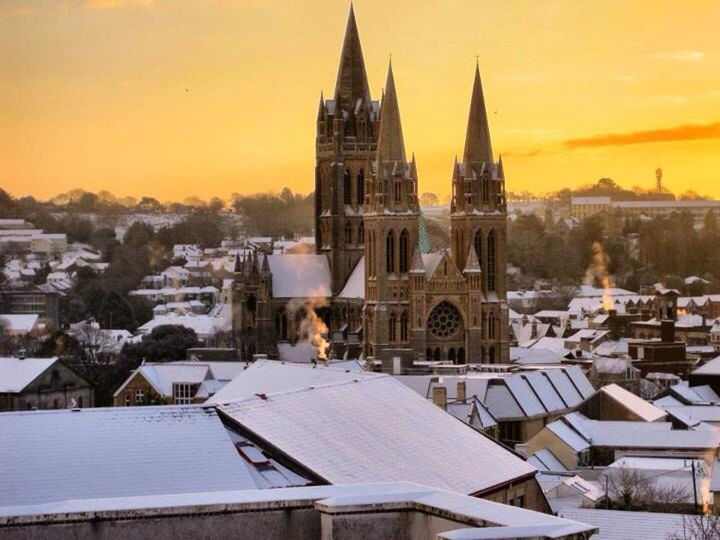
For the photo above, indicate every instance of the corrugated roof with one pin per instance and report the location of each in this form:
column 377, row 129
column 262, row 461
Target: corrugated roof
column 114, row 452
column 366, row 431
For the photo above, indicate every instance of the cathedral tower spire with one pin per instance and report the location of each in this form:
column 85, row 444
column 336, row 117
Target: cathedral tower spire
column 477, row 137
column 352, row 82
column 391, row 145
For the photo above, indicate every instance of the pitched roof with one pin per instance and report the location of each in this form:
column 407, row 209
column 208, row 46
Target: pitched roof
column 625, row 525
column 355, row 285
column 645, row 410
column 16, row 373
column 300, row 276
column 364, row 429
column 477, row 137
column 19, row 322
column 391, row 146
column 711, row 367
column 352, row 83
column 130, row 451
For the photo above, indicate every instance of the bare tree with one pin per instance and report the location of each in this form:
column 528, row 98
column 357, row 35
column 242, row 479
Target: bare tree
column 698, row 527
column 630, row 488
column 95, row 343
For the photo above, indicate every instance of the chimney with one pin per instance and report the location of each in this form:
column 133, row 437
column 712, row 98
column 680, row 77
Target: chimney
column 439, row 396
column 461, row 395
column 667, row 331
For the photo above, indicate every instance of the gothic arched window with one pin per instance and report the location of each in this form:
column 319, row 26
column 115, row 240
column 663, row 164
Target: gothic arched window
column 491, row 247
column 361, row 233
column 348, row 233
column 491, row 326
column 346, row 187
column 403, row 256
column 404, row 326
column 390, row 252
column 360, row 187
column 486, row 187
column 391, row 328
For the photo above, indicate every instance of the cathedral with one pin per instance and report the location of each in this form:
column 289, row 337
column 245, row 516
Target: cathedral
column 373, row 279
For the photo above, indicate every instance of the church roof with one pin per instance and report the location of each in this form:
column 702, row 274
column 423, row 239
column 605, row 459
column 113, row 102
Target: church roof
column 352, row 83
column 355, row 285
column 300, row 276
column 423, row 238
column 477, row 137
column 431, row 261
column 391, row 146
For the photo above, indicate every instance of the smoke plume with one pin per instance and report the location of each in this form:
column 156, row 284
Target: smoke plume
column 310, row 327
column 598, row 272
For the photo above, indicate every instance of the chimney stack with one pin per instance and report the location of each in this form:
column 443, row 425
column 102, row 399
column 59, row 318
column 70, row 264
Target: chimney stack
column 439, row 396
column 461, row 394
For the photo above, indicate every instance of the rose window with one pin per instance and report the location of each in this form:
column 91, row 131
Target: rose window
column 444, row 320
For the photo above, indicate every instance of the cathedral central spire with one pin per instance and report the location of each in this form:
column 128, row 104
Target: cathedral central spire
column 477, row 138
column 352, row 82
column 391, row 146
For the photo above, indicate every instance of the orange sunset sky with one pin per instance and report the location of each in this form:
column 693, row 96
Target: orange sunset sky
column 172, row 98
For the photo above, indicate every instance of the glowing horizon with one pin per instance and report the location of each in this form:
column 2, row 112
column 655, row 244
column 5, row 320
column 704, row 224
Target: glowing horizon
column 172, row 99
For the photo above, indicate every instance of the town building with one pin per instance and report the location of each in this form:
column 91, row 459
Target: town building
column 373, row 275
column 41, row 383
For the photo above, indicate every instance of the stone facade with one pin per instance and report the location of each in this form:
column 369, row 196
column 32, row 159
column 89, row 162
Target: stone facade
column 58, row 387
column 449, row 305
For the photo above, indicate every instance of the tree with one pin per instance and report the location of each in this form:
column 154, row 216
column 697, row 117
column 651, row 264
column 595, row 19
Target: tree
column 429, row 199
column 631, row 489
column 87, row 202
column 138, row 235
column 698, row 527
column 116, row 312
column 165, row 343
column 216, row 204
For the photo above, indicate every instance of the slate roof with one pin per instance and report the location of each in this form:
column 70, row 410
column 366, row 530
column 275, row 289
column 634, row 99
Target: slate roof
column 363, row 429
column 355, row 285
column 645, row 410
column 624, row 525
column 130, row 451
column 16, row 374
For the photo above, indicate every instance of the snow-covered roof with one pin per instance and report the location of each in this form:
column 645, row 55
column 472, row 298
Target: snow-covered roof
column 712, row 367
column 204, row 325
column 338, row 430
column 162, row 376
column 129, row 451
column 301, row 352
column 625, row 525
column 300, row 276
column 19, row 323
column 545, row 460
column 355, row 285
column 16, row 373
column 637, row 405
column 522, row 355
column 273, row 376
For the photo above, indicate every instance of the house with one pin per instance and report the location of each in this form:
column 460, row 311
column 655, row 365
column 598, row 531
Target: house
column 707, row 374
column 566, row 491
column 41, row 383
column 579, row 441
column 32, row 301
column 343, row 426
column 178, row 383
column 613, row 402
column 520, row 403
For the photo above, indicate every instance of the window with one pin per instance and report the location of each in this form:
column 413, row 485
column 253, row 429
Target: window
column 491, row 261
column 346, row 187
column 348, row 233
column 486, row 187
column 360, row 186
column 361, row 233
column 183, row 393
column 398, row 191
column 390, row 253
column 404, row 326
column 444, row 321
column 127, row 399
column 404, row 251
column 391, row 328
column 491, row 326
column 139, row 396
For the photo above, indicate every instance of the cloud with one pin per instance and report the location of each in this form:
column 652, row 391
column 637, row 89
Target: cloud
column 682, row 56
column 687, row 132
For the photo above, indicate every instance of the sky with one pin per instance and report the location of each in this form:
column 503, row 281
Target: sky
column 178, row 98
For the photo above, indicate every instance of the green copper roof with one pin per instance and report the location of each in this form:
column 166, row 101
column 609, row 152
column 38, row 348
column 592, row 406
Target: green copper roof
column 423, row 240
